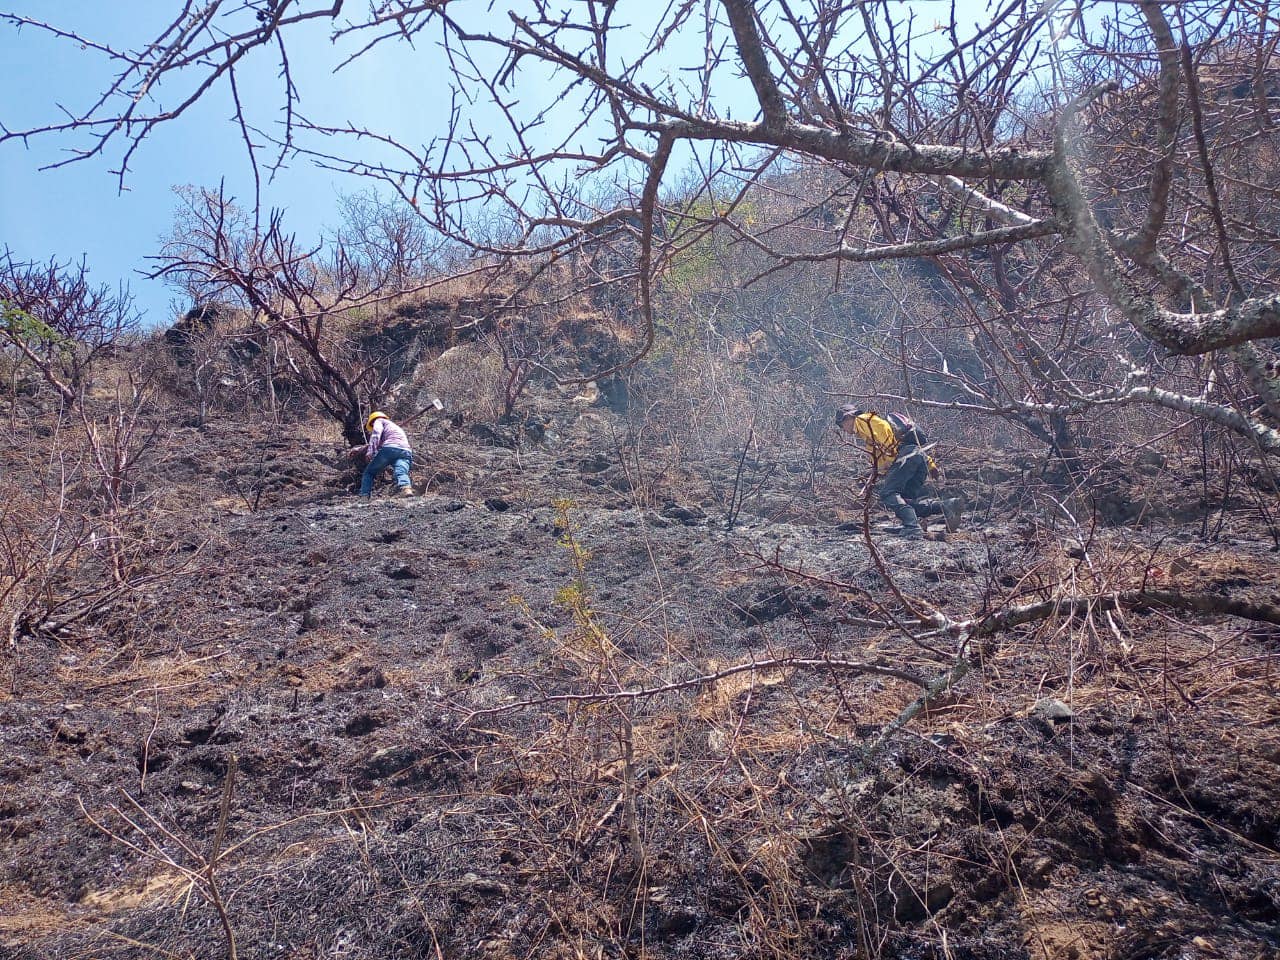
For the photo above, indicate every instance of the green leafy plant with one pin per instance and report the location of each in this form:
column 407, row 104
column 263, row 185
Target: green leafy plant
column 21, row 327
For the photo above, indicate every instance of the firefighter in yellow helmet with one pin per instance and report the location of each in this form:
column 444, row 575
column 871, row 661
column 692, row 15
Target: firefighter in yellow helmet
column 388, row 446
column 896, row 447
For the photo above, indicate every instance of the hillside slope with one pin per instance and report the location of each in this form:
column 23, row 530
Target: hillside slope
column 395, row 729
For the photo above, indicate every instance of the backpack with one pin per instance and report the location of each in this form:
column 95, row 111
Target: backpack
column 905, row 430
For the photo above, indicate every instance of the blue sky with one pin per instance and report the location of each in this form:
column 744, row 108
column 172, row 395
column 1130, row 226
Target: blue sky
column 79, row 210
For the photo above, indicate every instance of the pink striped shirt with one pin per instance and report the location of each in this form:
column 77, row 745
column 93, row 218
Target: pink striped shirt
column 386, row 434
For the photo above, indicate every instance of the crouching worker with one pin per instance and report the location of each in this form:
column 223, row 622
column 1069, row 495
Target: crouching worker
column 896, row 446
column 387, row 447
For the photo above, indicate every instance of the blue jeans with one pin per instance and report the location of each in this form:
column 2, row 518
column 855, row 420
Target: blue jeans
column 398, row 460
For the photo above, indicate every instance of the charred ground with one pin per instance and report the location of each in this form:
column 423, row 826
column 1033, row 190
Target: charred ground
column 324, row 698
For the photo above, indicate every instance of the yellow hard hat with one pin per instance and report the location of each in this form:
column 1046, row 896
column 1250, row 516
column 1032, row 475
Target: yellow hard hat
column 377, row 414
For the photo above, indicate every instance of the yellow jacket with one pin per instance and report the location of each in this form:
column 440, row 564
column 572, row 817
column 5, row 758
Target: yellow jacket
column 882, row 443
column 877, row 433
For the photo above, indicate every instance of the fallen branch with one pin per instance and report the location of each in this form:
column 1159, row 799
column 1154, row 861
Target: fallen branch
column 990, row 626
column 1131, row 599
column 779, row 663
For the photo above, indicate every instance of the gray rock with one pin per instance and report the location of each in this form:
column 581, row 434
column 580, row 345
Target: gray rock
column 1053, row 710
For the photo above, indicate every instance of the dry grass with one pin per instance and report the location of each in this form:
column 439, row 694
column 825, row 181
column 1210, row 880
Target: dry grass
column 27, row 919
column 193, row 677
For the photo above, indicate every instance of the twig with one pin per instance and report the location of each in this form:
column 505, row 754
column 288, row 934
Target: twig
column 228, row 790
column 797, row 663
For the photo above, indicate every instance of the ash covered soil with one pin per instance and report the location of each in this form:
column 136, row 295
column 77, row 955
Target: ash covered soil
column 374, row 731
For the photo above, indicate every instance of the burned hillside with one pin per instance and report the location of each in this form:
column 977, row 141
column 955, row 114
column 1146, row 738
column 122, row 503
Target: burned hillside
column 553, row 706
column 830, row 506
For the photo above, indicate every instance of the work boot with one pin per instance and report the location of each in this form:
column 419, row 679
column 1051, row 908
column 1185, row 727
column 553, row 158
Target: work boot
column 910, row 529
column 406, row 492
column 951, row 510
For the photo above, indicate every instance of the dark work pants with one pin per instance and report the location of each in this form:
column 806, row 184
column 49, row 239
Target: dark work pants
column 903, row 484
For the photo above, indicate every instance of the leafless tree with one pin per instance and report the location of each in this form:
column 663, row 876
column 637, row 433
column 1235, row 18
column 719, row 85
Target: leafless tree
column 55, row 320
column 382, row 234
column 519, row 362
column 300, row 296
